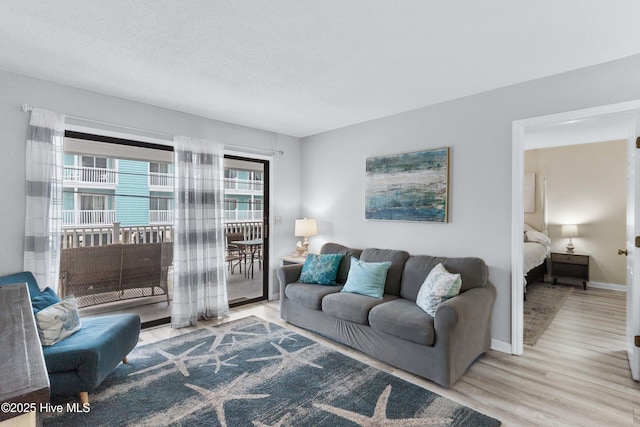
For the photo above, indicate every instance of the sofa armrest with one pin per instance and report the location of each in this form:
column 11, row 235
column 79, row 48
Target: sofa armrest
column 462, row 327
column 466, row 309
column 288, row 274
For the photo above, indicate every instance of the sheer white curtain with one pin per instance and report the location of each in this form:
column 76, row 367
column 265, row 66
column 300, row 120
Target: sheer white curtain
column 43, row 223
column 199, row 286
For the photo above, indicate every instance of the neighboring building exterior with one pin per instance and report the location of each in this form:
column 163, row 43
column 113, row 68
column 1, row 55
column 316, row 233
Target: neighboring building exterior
column 99, row 191
column 243, row 195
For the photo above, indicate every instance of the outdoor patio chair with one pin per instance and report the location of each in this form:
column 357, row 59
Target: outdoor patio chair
column 234, row 254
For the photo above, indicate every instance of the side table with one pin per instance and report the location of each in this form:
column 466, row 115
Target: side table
column 572, row 265
column 293, row 259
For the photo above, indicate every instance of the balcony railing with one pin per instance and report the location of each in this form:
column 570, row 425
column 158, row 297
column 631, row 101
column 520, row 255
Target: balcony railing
column 159, row 179
column 160, row 217
column 247, row 215
column 243, row 185
column 76, row 237
column 77, row 217
column 89, row 175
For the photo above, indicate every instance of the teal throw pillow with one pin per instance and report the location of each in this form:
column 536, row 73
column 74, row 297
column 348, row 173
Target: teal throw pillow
column 367, row 278
column 320, row 269
column 45, row 299
column 439, row 286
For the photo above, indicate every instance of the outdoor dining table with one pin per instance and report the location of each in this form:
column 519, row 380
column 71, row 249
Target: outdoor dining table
column 248, row 248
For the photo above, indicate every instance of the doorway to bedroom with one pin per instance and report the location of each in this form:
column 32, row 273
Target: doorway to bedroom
column 575, row 200
column 589, row 331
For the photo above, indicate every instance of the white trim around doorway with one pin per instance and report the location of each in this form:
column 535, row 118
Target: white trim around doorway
column 519, row 130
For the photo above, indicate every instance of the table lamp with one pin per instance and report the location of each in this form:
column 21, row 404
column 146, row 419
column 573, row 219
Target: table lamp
column 570, row 231
column 305, row 228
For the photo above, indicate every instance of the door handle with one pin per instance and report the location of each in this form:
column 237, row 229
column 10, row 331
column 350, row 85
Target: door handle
column 621, row 252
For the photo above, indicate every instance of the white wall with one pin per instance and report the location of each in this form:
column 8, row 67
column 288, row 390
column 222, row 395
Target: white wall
column 16, row 90
column 478, row 129
column 587, row 186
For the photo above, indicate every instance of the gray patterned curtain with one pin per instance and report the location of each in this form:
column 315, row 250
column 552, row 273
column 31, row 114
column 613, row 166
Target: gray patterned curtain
column 43, row 222
column 199, row 286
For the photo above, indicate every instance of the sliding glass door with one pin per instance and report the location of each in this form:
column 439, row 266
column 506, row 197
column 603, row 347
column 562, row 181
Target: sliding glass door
column 246, row 222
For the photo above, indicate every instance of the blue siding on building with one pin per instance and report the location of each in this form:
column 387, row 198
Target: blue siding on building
column 132, row 193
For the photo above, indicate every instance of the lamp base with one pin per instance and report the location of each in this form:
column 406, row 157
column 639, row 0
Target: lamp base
column 570, row 247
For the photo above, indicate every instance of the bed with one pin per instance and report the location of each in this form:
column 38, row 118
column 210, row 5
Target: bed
column 536, row 249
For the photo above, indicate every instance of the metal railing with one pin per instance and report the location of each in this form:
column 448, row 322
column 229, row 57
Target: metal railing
column 78, row 217
column 160, row 217
column 90, row 175
column 160, row 179
column 78, row 237
column 240, row 215
column 243, row 185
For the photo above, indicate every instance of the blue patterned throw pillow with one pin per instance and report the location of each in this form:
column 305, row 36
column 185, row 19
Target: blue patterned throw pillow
column 367, row 278
column 58, row 321
column 320, row 269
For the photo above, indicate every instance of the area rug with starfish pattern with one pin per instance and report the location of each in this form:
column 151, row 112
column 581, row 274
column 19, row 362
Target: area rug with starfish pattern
column 251, row 372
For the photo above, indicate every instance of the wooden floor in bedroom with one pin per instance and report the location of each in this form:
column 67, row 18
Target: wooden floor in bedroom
column 577, row 374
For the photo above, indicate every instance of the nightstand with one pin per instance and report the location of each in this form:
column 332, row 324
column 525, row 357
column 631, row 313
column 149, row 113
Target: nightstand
column 288, row 260
column 574, row 265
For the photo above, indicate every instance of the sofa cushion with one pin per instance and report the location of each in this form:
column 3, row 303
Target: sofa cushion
column 345, row 263
column 92, row 352
column 403, row 319
column 320, row 269
column 397, row 258
column 309, row 296
column 367, row 278
column 473, row 272
column 352, row 307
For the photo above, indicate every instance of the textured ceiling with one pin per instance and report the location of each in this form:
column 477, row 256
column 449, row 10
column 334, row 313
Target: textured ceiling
column 301, row 67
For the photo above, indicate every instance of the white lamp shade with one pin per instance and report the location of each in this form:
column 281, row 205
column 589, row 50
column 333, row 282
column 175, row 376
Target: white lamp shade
column 569, row 230
column 305, row 228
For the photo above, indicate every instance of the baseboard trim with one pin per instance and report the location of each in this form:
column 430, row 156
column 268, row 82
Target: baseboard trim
column 610, row 286
column 501, row 346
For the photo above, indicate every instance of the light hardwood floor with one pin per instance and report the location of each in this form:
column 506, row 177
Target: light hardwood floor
column 577, row 374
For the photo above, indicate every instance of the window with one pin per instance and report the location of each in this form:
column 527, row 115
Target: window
column 159, row 167
column 93, row 210
column 230, row 204
column 158, row 204
column 94, row 162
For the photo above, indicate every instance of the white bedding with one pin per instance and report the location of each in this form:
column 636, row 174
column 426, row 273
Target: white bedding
column 534, row 254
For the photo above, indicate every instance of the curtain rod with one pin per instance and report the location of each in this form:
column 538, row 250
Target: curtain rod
column 26, row 108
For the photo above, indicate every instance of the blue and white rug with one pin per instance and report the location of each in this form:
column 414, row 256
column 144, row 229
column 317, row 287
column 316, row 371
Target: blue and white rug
column 254, row 373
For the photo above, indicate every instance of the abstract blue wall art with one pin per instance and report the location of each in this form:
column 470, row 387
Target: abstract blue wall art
column 408, row 187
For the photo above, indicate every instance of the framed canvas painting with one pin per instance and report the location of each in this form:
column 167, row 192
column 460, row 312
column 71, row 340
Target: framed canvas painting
column 408, row 187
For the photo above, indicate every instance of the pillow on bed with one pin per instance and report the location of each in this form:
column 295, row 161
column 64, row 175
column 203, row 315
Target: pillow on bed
column 538, row 237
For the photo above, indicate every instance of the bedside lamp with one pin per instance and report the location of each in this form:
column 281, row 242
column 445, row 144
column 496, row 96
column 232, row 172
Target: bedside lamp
column 305, row 228
column 570, row 231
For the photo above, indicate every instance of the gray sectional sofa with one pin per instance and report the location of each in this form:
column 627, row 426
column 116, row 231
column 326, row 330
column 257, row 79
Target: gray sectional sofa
column 394, row 329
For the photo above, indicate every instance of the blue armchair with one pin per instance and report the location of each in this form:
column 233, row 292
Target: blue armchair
column 79, row 363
